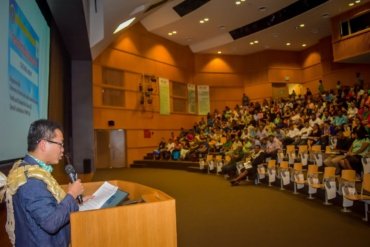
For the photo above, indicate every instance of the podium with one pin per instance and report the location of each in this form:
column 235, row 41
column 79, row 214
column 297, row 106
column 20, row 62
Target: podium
column 149, row 223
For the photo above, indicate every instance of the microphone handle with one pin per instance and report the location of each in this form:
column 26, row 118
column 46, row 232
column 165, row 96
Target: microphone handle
column 73, row 178
column 79, row 199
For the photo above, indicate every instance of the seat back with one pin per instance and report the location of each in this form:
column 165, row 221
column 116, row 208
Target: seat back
column 297, row 167
column 316, row 148
column 209, row 157
column 227, row 158
column 349, row 175
column 218, row 157
column 328, row 149
column 271, row 164
column 329, row 172
column 312, row 169
column 284, row 165
column 290, row 148
column 302, row 149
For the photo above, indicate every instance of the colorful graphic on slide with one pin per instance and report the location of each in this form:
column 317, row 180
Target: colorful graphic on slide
column 23, row 56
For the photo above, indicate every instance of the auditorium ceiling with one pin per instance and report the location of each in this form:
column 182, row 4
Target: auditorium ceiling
column 235, row 27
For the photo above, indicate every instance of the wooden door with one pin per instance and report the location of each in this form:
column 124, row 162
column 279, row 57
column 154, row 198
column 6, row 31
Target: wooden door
column 110, row 149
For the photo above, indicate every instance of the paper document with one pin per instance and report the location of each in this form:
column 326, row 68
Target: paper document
column 105, row 191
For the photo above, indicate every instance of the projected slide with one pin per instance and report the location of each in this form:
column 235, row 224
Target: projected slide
column 24, row 73
column 23, row 63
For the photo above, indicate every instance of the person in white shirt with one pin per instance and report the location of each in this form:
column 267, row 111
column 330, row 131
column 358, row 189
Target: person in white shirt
column 315, row 120
column 304, row 133
column 273, row 145
column 291, row 135
column 352, row 110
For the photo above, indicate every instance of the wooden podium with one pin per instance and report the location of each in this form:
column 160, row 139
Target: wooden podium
column 150, row 223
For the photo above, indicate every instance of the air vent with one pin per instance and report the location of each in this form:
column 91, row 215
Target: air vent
column 284, row 14
column 187, row 6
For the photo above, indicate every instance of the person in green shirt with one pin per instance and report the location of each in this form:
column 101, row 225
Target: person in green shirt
column 359, row 148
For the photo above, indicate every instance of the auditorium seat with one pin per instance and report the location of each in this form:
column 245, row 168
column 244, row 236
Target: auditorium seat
column 347, row 186
column 303, row 154
column 290, row 152
column 284, row 174
column 312, row 179
column 365, row 198
column 328, row 184
column 317, row 155
column 297, row 176
column 271, row 171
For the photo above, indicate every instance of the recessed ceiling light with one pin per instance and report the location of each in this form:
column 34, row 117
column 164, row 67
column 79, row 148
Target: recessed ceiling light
column 304, row 45
column 351, row 4
column 222, row 27
column 219, row 52
column 239, row 2
column 256, row 41
column 358, row 1
column 172, row 33
column 251, row 43
column 301, row 25
column 204, row 20
column 288, row 44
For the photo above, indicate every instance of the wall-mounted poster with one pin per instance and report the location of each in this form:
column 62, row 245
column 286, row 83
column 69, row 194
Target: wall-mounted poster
column 164, row 96
column 191, row 99
column 203, row 99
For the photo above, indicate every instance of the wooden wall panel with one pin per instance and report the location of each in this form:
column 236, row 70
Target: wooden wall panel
column 285, row 75
column 138, row 52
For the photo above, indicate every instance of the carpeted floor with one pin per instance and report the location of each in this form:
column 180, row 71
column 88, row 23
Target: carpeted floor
column 212, row 213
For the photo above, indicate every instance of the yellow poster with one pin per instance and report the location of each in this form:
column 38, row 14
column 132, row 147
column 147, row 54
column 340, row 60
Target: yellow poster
column 203, row 99
column 164, row 96
column 191, row 99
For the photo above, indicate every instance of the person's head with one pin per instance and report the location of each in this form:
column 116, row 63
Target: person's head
column 360, row 133
column 45, row 140
column 257, row 148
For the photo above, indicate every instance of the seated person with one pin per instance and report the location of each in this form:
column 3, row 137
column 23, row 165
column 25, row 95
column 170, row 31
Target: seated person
column 314, row 136
column 273, row 145
column 257, row 157
column 160, row 149
column 229, row 170
column 359, row 148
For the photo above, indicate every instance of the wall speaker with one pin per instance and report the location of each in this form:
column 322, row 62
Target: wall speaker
column 111, row 123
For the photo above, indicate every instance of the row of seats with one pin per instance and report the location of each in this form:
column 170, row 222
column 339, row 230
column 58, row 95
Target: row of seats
column 288, row 170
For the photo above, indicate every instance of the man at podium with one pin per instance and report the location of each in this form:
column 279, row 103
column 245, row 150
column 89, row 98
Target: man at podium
column 41, row 207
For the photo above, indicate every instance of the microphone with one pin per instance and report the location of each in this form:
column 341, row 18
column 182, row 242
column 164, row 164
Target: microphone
column 71, row 172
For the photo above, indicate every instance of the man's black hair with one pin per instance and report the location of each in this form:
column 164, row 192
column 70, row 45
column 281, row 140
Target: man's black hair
column 39, row 130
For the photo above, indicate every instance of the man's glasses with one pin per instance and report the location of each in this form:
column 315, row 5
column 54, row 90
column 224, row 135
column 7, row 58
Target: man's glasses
column 61, row 144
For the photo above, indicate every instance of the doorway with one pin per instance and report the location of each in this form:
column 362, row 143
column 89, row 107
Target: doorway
column 110, row 151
